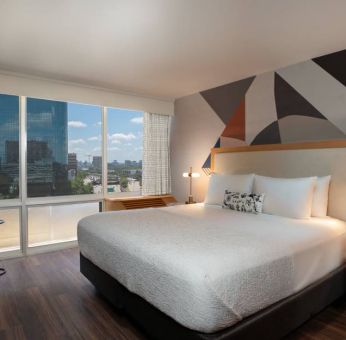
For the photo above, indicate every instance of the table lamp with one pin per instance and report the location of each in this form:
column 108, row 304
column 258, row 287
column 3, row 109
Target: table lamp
column 190, row 175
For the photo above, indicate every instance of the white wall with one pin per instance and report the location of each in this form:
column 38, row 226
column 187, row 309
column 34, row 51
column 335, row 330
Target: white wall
column 57, row 90
column 195, row 130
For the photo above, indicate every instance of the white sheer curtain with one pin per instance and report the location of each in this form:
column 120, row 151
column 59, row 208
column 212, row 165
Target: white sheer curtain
column 156, row 178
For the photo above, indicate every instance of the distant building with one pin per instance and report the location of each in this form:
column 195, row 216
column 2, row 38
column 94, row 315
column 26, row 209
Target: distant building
column 97, row 189
column 47, row 147
column 128, row 172
column 47, row 120
column 114, row 188
column 83, row 165
column 92, row 179
column 11, row 152
column 9, row 131
column 38, row 151
column 113, row 179
column 42, row 171
column 129, row 163
column 71, row 174
column 97, row 162
column 133, row 185
column 72, row 163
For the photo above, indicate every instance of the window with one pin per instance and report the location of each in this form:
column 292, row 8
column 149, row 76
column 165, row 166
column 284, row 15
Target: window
column 63, row 148
column 9, row 230
column 56, row 223
column 125, row 140
column 9, row 146
column 63, row 152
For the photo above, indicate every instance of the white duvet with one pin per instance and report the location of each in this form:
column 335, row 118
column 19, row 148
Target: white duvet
column 208, row 267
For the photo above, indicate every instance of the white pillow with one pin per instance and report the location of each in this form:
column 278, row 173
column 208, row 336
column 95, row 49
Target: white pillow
column 290, row 197
column 218, row 183
column 320, row 200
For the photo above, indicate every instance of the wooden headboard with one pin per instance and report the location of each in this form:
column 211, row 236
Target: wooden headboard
column 290, row 160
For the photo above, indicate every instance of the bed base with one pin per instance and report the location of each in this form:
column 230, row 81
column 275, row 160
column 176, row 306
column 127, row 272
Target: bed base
column 274, row 322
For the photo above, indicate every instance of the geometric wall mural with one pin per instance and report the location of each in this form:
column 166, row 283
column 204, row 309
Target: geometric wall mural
column 302, row 102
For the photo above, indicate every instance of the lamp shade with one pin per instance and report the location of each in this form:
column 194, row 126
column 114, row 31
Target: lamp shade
column 191, row 174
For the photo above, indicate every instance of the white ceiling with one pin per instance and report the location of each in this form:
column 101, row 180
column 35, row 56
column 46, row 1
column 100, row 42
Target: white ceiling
column 164, row 48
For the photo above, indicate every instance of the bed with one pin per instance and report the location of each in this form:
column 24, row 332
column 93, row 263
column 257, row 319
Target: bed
column 203, row 272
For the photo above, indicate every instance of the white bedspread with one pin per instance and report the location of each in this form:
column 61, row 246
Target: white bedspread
column 209, row 267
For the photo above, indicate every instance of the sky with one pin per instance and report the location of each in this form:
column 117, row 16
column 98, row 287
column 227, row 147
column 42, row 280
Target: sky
column 125, row 132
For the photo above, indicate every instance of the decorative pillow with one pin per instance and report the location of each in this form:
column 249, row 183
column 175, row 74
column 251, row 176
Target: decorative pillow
column 218, row 183
column 320, row 200
column 290, row 197
column 244, row 202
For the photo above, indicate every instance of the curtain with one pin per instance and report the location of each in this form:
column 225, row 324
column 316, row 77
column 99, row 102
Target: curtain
column 156, row 177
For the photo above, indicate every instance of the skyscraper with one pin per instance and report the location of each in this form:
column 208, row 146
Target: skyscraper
column 11, row 155
column 72, row 161
column 47, row 147
column 97, row 162
column 9, row 146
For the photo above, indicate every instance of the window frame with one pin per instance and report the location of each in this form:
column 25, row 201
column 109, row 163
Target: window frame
column 23, row 202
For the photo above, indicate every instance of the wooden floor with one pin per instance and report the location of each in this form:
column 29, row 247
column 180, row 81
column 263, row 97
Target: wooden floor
column 45, row 297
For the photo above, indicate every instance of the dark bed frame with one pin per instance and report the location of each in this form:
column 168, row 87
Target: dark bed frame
column 273, row 322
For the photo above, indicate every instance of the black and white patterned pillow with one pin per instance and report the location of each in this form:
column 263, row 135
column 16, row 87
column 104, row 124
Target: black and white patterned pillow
column 244, row 202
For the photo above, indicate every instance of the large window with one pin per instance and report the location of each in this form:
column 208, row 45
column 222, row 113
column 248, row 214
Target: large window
column 9, row 146
column 56, row 176
column 125, row 148
column 63, row 148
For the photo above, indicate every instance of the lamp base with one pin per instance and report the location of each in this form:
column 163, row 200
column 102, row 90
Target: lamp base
column 190, row 200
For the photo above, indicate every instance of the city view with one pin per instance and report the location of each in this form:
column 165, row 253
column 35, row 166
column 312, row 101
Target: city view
column 64, row 149
column 86, row 176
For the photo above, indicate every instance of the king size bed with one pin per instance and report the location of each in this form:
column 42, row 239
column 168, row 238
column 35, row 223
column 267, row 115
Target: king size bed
column 204, row 272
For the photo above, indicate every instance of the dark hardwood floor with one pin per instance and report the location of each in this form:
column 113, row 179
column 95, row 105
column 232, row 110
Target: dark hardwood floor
column 45, row 297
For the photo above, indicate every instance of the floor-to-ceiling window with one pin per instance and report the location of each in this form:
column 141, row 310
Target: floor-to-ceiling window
column 63, row 158
column 58, row 160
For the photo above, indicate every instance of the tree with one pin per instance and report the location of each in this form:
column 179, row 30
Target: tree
column 79, row 187
column 124, row 183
